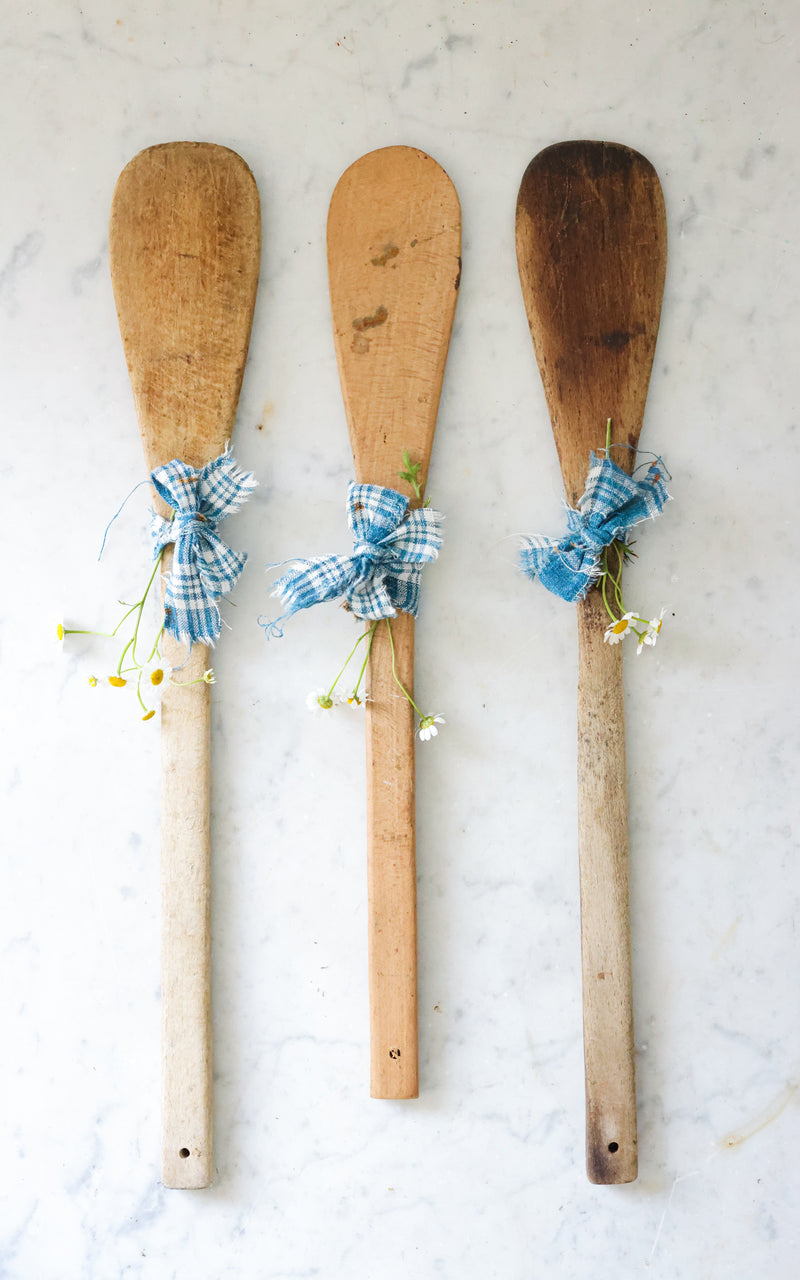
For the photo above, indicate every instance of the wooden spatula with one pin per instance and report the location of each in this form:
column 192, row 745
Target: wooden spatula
column 394, row 240
column 591, row 248
column 185, row 242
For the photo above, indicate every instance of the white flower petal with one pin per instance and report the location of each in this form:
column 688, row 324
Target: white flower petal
column 616, row 631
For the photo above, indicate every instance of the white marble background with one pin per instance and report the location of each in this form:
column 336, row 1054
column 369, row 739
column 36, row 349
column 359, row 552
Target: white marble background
column 483, row 1177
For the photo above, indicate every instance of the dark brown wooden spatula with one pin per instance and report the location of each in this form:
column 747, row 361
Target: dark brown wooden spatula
column 185, row 244
column 591, row 249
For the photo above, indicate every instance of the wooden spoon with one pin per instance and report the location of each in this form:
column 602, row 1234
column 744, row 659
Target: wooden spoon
column 185, row 243
column 394, row 239
column 591, row 248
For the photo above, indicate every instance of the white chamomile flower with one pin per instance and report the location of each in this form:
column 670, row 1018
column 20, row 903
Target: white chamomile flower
column 652, row 633
column 209, row 677
column 654, row 627
column 619, row 629
column 319, row 700
column 427, row 727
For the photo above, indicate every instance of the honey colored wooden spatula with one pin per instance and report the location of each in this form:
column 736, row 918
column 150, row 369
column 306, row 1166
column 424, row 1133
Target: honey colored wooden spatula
column 591, row 248
column 185, row 242
column 394, row 240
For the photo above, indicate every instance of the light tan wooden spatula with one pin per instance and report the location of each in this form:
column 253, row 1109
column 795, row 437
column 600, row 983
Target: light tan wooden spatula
column 591, row 247
column 185, row 242
column 394, row 240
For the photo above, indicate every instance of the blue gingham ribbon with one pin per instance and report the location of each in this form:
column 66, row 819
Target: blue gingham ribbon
column 382, row 575
column 612, row 503
column 203, row 566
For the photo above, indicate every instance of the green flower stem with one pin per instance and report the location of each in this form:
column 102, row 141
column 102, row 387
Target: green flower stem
column 124, row 618
column 363, row 636
column 371, row 634
column 135, row 667
column 154, row 651
column 615, row 579
column 84, row 631
column 141, row 605
column 608, row 435
column 395, row 676
column 129, row 652
column 411, row 474
column 104, row 635
column 139, row 693
column 603, row 579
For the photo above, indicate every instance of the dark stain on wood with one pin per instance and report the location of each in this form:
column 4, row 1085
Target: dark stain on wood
column 618, row 339
column 389, row 251
column 379, row 316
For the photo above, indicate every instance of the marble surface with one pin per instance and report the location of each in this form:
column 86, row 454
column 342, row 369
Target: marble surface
column 483, row 1176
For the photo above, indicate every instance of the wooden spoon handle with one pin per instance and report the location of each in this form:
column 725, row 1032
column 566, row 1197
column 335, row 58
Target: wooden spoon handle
column 186, row 1058
column 391, row 865
column 611, row 1152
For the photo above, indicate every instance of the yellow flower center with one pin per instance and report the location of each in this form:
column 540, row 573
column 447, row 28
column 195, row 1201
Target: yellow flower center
column 117, row 682
column 621, row 625
column 149, row 715
column 156, row 677
column 93, row 681
column 60, row 631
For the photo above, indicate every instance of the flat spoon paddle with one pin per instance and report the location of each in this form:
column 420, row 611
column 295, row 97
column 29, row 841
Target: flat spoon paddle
column 591, row 248
column 185, row 243
column 394, row 240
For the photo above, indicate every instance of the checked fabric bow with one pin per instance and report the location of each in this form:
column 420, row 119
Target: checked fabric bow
column 203, row 566
column 612, row 503
column 382, row 575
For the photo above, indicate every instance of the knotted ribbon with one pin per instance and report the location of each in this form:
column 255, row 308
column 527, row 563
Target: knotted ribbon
column 203, row 566
column 612, row 503
column 382, row 575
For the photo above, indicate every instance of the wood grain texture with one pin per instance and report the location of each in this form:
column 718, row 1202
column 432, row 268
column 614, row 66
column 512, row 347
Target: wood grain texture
column 394, row 245
column 591, row 248
column 185, row 242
